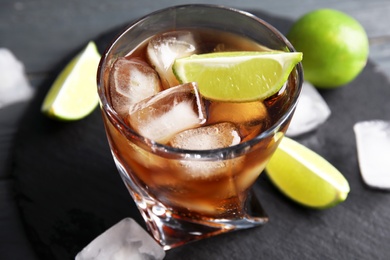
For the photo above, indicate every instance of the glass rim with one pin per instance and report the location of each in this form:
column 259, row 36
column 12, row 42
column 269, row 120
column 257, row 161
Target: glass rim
column 160, row 148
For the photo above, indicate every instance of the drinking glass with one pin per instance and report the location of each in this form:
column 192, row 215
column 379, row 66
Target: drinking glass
column 177, row 207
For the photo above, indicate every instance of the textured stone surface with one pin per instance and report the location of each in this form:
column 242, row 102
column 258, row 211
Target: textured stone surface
column 67, row 187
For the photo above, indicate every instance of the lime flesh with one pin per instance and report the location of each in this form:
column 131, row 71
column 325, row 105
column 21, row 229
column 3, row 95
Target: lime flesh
column 73, row 94
column 237, row 76
column 306, row 177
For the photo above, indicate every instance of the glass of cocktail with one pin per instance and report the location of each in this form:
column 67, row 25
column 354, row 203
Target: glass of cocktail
column 190, row 162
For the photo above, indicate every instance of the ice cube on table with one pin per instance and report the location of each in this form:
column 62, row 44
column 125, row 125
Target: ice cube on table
column 165, row 48
column 169, row 112
column 14, row 86
column 124, row 240
column 311, row 112
column 373, row 149
column 131, row 80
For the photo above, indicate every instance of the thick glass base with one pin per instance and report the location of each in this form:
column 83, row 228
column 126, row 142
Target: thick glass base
column 172, row 230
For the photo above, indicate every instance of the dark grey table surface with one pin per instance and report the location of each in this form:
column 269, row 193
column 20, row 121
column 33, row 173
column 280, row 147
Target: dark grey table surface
column 58, row 185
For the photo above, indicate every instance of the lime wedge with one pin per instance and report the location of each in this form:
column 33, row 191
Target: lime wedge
column 73, row 94
column 306, row 177
column 237, row 76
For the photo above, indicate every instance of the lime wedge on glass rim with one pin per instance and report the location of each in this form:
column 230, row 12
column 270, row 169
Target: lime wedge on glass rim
column 306, row 177
column 73, row 94
column 237, row 76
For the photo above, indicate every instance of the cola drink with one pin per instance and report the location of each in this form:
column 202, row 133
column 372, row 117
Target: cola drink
column 189, row 162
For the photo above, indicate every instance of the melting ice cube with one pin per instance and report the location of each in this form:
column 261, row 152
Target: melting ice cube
column 207, row 137
column 204, row 138
column 125, row 240
column 14, row 85
column 311, row 111
column 131, row 81
column 373, row 147
column 168, row 112
column 164, row 48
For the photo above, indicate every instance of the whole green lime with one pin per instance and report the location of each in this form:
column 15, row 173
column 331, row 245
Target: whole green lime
column 335, row 47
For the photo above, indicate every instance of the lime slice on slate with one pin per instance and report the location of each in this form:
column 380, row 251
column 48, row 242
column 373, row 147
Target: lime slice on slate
column 306, row 177
column 73, row 94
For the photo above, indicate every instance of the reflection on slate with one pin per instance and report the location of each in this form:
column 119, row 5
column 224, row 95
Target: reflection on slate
column 69, row 191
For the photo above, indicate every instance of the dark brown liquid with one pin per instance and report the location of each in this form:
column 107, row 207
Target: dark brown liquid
column 204, row 189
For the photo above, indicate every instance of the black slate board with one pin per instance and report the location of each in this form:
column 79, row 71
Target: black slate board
column 68, row 189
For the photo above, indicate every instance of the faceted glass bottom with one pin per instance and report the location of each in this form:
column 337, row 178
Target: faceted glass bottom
column 172, row 230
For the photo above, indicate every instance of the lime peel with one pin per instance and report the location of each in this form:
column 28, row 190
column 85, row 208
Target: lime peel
column 237, row 76
column 73, row 94
column 335, row 45
column 306, row 177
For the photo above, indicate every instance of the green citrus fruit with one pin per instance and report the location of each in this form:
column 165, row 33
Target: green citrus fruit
column 334, row 44
column 237, row 76
column 73, row 94
column 306, row 177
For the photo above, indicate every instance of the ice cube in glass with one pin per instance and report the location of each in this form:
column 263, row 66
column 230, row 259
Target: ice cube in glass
column 164, row 48
column 169, row 112
column 209, row 137
column 131, row 81
column 250, row 117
